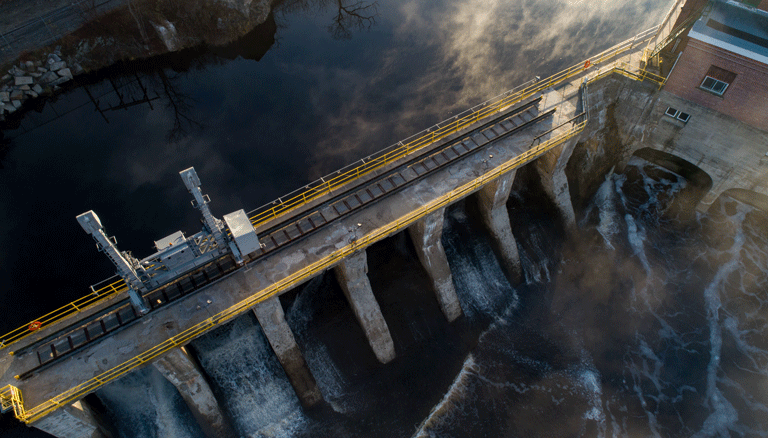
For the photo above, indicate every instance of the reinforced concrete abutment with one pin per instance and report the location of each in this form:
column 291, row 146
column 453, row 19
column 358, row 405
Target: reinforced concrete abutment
column 426, row 234
column 76, row 420
column 352, row 275
column 179, row 368
column 492, row 203
column 272, row 320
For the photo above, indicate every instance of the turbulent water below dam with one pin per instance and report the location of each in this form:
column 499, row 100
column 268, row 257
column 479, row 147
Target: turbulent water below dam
column 639, row 323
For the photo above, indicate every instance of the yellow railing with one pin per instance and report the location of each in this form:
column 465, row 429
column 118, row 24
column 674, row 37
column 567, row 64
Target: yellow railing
column 10, row 398
column 76, row 306
column 384, row 157
column 73, row 394
column 327, row 184
column 376, row 161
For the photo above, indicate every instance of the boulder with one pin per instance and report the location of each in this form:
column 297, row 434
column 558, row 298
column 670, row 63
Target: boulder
column 49, row 77
column 53, row 58
column 35, row 75
column 24, row 80
column 37, row 89
column 5, row 96
column 29, row 65
column 16, row 104
column 42, row 70
column 16, row 95
column 65, row 73
column 56, row 66
column 25, row 88
column 31, row 94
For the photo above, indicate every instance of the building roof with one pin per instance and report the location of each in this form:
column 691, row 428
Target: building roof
column 735, row 28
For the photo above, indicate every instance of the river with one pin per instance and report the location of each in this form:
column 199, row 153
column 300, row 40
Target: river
column 657, row 330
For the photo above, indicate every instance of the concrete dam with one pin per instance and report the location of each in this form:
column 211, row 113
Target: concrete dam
column 570, row 128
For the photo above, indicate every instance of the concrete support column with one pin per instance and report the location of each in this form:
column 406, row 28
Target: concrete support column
column 551, row 169
column 426, row 234
column 73, row 421
column 183, row 372
column 272, row 320
column 492, row 200
column 352, row 276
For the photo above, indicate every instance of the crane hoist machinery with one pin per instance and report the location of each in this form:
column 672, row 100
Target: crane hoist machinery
column 177, row 254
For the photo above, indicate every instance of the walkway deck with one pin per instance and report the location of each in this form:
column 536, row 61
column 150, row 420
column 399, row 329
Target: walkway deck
column 279, row 270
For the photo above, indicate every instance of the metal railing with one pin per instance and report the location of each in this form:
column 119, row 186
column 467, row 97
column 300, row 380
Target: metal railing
column 294, row 200
column 328, row 183
column 11, row 396
column 95, row 297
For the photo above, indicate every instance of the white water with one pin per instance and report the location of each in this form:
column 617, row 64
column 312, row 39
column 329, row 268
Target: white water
column 678, row 350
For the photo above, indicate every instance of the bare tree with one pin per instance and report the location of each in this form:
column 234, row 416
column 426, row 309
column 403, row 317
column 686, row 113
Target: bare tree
column 180, row 104
column 352, row 16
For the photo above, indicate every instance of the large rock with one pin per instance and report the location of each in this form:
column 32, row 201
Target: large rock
column 56, row 66
column 16, row 103
column 65, row 73
column 49, row 77
column 5, row 96
column 37, row 89
column 17, row 95
column 24, row 80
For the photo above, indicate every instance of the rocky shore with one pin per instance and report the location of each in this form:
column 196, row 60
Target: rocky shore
column 140, row 29
column 31, row 79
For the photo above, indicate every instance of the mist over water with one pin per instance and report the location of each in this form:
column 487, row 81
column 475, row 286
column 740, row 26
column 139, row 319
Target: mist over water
column 638, row 324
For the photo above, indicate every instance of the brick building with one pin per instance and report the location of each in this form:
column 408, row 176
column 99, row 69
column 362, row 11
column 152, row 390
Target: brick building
column 722, row 62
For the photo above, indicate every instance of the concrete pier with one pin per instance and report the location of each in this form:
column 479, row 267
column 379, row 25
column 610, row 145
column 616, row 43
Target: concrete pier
column 426, row 234
column 272, row 320
column 183, row 372
column 551, row 166
column 492, row 200
column 352, row 276
column 73, row 421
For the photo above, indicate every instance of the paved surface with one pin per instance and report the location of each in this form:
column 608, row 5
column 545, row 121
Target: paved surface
column 29, row 24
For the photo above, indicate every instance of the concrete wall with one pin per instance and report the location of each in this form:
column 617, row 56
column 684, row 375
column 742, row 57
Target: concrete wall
column 618, row 111
column 626, row 115
column 746, row 99
column 732, row 153
column 77, row 420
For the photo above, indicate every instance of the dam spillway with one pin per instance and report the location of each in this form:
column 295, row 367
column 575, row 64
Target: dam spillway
column 481, row 171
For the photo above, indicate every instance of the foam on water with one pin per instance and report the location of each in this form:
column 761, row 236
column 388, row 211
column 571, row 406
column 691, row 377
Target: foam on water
column 243, row 369
column 144, row 404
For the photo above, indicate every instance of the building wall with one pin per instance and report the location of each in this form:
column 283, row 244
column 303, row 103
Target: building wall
column 746, row 99
column 733, row 154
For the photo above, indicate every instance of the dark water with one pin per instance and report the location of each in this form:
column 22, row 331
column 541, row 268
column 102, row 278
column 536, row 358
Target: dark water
column 637, row 325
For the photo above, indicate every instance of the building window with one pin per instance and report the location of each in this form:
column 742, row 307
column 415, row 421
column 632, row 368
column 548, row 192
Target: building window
column 675, row 114
column 713, row 85
column 717, row 80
